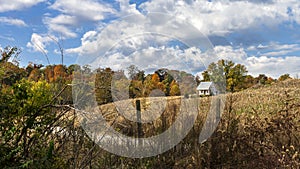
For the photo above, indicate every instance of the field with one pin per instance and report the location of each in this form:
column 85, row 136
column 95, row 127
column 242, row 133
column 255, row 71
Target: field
column 259, row 128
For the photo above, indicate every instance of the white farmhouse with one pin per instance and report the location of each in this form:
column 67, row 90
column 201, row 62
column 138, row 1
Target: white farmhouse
column 207, row 89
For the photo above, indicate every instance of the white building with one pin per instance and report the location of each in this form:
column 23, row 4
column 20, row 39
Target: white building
column 207, row 89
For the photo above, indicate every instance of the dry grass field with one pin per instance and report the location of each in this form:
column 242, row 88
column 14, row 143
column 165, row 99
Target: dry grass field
column 260, row 128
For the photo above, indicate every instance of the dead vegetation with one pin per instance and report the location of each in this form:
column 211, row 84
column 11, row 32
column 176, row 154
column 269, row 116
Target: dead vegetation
column 260, row 128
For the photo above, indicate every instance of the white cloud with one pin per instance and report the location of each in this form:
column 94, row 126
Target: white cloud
column 39, row 42
column 260, row 46
column 190, row 59
column 275, row 49
column 126, row 8
column 83, row 9
column 273, row 66
column 136, row 33
column 61, row 20
column 278, row 46
column 229, row 53
column 12, row 5
column 151, row 59
column 61, row 24
column 220, row 17
column 211, row 18
column 75, row 13
column 12, row 21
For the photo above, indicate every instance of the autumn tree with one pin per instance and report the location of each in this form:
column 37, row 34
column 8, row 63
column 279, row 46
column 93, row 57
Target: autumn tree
column 72, row 68
column 156, row 82
column 155, row 79
column 249, row 81
column 59, row 72
column 136, row 89
column 35, row 74
column 49, row 73
column 225, row 71
column 284, row 77
column 103, row 85
column 148, row 85
column 174, row 89
column 137, row 77
column 168, row 79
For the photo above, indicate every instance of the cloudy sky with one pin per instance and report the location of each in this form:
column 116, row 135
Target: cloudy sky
column 264, row 35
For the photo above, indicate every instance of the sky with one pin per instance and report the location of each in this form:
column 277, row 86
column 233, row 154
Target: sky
column 263, row 35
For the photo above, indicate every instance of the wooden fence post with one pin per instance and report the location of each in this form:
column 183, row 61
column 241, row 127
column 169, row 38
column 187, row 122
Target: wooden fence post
column 139, row 118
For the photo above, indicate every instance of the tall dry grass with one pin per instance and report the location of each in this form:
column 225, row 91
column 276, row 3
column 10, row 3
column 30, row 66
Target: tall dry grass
column 260, row 128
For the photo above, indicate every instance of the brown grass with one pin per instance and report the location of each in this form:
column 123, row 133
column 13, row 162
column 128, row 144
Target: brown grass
column 260, row 128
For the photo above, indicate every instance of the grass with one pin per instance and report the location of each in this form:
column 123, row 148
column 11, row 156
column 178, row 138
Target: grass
column 259, row 128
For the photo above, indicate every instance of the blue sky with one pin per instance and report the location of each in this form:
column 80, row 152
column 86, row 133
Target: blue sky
column 263, row 35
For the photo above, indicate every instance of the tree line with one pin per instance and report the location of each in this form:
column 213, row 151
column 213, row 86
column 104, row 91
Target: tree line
column 170, row 82
column 235, row 76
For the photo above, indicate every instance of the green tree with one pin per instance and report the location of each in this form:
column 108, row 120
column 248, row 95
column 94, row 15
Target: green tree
column 228, row 72
column 24, row 119
column 205, row 76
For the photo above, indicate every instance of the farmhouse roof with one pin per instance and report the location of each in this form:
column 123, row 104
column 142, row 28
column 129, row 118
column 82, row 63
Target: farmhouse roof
column 204, row 85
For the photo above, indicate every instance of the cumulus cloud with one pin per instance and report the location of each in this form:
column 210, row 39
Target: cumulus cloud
column 39, row 42
column 191, row 59
column 74, row 13
column 17, row 4
column 12, row 21
column 61, row 24
column 126, row 8
column 153, row 58
column 137, row 32
column 125, row 42
column 83, row 9
column 273, row 66
column 221, row 17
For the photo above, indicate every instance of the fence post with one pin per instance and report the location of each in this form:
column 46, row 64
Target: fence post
column 139, row 118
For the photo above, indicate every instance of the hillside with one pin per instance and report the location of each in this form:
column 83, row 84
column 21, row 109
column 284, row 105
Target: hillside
column 260, row 127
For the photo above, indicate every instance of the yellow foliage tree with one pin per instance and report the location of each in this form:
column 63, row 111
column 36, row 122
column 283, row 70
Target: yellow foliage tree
column 174, row 89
